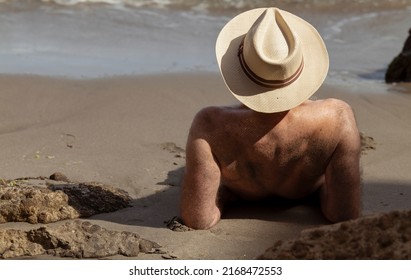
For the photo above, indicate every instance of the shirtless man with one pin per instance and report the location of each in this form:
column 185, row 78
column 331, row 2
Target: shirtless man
column 272, row 145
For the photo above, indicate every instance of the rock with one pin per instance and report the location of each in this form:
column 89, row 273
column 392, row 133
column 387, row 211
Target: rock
column 399, row 69
column 59, row 177
column 14, row 243
column 75, row 239
column 176, row 224
column 382, row 236
column 42, row 200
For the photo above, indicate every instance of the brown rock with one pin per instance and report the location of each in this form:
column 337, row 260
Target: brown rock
column 14, row 243
column 59, row 177
column 382, row 236
column 399, row 69
column 42, row 200
column 176, row 224
column 75, row 239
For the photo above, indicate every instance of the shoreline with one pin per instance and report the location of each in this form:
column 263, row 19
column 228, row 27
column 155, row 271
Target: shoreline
column 130, row 132
column 130, row 41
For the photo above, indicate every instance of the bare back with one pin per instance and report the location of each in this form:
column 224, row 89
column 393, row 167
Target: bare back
column 282, row 154
column 285, row 154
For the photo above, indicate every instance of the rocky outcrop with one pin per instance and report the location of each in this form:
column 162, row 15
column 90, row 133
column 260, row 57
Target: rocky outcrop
column 382, row 236
column 46, row 200
column 74, row 239
column 399, row 69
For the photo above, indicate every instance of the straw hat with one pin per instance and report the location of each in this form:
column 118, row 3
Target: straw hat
column 271, row 60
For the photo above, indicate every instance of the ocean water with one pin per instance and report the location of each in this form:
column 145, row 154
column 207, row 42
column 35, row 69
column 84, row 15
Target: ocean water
column 227, row 4
column 95, row 38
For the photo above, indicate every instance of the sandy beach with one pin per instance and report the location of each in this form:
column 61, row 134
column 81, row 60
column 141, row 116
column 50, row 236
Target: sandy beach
column 102, row 130
column 128, row 128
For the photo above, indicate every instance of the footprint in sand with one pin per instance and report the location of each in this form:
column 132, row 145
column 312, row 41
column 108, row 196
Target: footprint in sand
column 68, row 139
column 173, row 148
column 367, row 143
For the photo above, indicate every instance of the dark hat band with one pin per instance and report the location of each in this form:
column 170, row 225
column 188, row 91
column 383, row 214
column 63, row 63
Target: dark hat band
column 263, row 82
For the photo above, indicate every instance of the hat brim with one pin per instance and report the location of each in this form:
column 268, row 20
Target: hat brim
column 264, row 99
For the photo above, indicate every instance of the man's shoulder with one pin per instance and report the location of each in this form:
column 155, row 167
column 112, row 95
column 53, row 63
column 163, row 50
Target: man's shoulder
column 210, row 121
column 340, row 109
column 329, row 103
column 209, row 111
column 206, row 115
column 333, row 117
column 329, row 108
column 211, row 114
column 205, row 121
column 338, row 117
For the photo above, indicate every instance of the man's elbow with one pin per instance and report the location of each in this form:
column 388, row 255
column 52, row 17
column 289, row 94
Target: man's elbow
column 342, row 217
column 200, row 222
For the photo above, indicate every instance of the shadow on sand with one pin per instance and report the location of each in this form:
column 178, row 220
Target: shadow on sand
column 155, row 210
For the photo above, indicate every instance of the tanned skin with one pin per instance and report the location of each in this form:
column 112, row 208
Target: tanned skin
column 292, row 154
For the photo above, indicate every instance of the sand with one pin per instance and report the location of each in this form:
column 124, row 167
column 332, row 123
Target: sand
column 130, row 131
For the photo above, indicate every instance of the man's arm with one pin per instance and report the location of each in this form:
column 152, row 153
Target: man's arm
column 341, row 194
column 199, row 205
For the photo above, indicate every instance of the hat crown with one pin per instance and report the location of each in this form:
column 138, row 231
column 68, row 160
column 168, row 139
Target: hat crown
column 271, row 60
column 271, row 49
